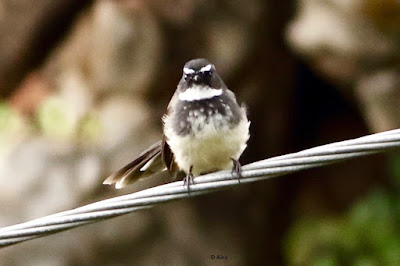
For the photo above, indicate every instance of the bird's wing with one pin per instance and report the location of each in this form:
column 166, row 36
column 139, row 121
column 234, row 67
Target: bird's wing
column 168, row 159
column 148, row 163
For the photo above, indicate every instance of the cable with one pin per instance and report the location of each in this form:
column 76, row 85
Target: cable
column 253, row 172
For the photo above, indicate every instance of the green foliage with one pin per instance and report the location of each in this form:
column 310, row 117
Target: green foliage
column 394, row 168
column 5, row 115
column 90, row 128
column 369, row 234
column 57, row 119
column 11, row 126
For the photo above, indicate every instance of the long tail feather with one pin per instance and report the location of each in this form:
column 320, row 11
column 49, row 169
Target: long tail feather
column 148, row 163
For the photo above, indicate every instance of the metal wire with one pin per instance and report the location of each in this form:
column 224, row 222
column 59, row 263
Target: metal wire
column 261, row 170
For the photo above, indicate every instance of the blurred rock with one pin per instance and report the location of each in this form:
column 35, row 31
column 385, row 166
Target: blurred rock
column 120, row 117
column 180, row 15
column 124, row 49
column 29, row 31
column 379, row 94
column 346, row 41
column 330, row 34
column 228, row 44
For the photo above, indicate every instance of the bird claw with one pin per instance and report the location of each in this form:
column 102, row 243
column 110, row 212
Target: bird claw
column 188, row 179
column 236, row 169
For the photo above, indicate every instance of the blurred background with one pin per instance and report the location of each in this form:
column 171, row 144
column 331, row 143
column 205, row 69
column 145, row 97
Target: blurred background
column 83, row 85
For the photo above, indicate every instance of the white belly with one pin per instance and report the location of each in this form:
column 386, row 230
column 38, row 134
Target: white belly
column 210, row 149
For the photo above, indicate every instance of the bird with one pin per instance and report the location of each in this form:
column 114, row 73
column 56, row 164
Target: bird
column 204, row 130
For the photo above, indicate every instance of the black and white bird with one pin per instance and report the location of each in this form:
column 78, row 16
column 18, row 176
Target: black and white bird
column 205, row 130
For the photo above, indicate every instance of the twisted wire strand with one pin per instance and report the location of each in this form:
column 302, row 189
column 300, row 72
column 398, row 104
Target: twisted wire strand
column 260, row 170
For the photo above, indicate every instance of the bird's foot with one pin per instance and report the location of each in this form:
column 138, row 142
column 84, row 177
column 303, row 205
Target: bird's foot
column 188, row 179
column 237, row 169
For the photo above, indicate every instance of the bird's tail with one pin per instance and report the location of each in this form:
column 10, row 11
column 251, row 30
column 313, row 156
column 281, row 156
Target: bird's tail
column 148, row 163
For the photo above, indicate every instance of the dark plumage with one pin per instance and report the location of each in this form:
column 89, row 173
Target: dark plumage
column 205, row 130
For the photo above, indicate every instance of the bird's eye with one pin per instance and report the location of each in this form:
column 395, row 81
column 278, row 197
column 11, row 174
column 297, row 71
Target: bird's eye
column 207, row 73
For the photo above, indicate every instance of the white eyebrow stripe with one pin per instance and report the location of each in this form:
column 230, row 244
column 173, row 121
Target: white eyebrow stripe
column 206, row 68
column 197, row 93
column 188, row 70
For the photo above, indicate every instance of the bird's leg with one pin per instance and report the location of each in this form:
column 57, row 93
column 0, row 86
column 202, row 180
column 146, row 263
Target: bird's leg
column 188, row 178
column 236, row 169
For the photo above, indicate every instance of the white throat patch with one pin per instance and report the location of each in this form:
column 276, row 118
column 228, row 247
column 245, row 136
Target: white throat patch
column 196, row 93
